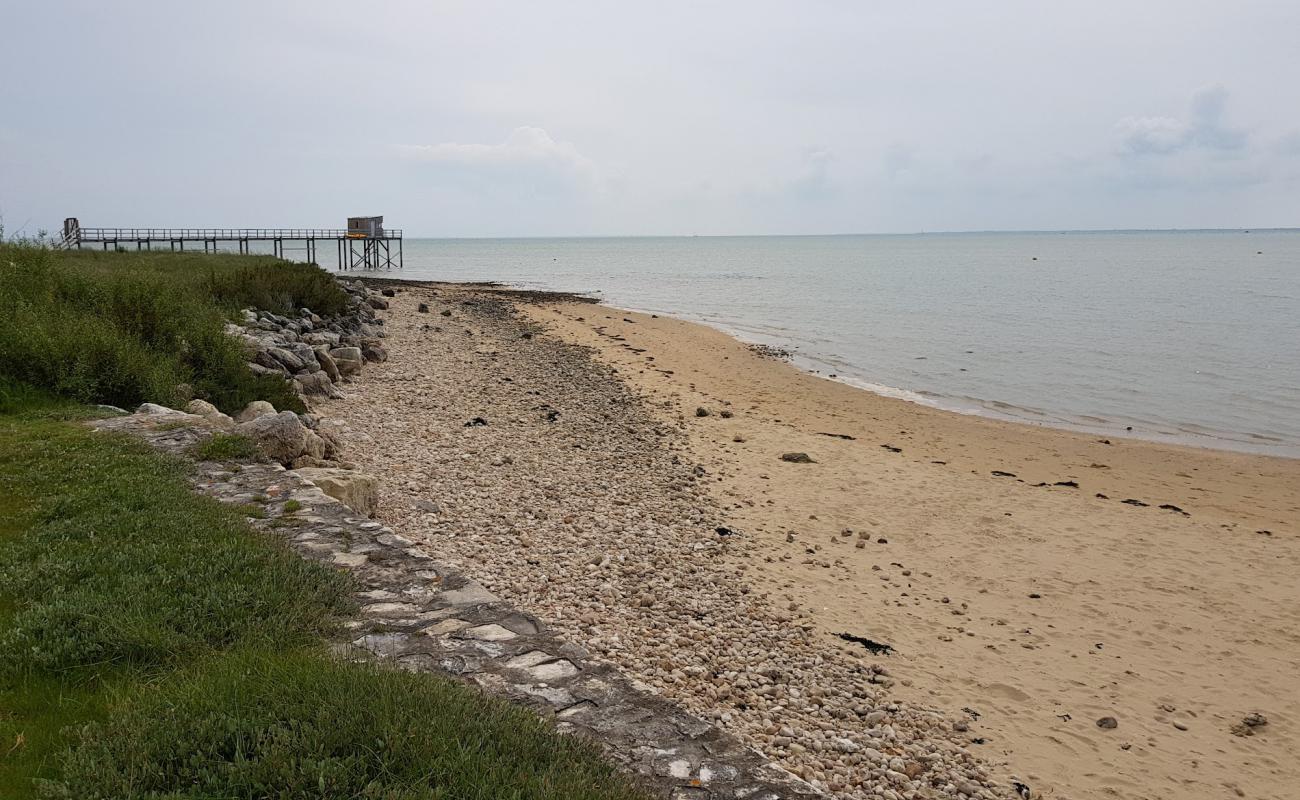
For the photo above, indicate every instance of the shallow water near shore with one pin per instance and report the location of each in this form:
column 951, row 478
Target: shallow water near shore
column 1191, row 337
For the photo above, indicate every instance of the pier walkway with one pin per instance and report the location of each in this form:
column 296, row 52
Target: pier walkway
column 363, row 245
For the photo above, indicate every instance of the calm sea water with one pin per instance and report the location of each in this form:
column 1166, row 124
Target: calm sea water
column 1188, row 336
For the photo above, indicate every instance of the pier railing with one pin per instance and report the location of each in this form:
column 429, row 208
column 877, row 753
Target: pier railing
column 356, row 249
column 224, row 234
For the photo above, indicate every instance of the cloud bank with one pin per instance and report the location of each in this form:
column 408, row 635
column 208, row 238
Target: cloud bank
column 1205, row 128
column 527, row 153
column 585, row 118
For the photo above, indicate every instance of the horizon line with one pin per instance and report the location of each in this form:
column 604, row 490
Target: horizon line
column 973, row 232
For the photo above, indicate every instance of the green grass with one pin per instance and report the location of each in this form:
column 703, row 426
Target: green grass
column 112, row 571
column 127, row 328
column 292, row 725
column 153, row 645
column 225, row 447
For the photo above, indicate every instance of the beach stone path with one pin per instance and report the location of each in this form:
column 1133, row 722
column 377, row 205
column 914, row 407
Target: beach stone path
column 423, row 616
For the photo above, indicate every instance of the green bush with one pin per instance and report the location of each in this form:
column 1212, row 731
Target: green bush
column 123, row 329
column 281, row 288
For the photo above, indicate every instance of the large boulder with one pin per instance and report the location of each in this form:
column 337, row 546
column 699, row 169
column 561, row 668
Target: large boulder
column 281, row 437
column 255, row 409
column 264, row 359
column 333, row 432
column 315, row 383
column 201, row 407
column 306, row 353
column 325, row 338
column 314, row 445
column 348, row 359
column 356, row 490
column 162, row 412
column 291, row 361
column 258, row 369
column 326, row 362
column 209, row 412
column 372, row 350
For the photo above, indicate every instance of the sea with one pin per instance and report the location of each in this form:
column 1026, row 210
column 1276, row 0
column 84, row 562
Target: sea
column 1187, row 336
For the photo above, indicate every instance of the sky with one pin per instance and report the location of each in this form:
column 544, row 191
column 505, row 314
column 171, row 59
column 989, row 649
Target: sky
column 603, row 119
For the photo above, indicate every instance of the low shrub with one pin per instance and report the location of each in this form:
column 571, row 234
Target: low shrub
column 282, row 288
column 123, row 329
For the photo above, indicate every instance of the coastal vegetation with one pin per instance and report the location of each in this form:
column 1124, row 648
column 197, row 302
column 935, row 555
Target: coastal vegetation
column 127, row 328
column 152, row 643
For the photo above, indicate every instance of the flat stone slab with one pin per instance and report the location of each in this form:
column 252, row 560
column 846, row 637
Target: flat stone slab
column 423, row 616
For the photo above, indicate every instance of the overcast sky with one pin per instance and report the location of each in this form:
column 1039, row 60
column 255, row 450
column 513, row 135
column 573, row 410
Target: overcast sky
column 554, row 118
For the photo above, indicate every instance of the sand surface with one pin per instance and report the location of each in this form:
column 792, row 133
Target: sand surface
column 1037, row 609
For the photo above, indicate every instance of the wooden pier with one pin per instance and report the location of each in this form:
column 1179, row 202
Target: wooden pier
column 364, row 244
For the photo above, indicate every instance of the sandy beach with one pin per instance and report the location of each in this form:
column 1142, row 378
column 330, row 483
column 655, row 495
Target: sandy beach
column 1029, row 581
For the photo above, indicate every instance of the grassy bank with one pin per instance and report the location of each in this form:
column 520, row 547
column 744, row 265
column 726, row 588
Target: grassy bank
column 127, row 328
column 152, row 644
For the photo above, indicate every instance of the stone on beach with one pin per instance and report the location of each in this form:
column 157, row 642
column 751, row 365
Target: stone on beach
column 356, row 490
column 316, row 383
column 327, row 363
column 255, row 409
column 202, row 408
column 281, row 437
column 209, row 412
column 289, row 360
column 372, row 350
column 155, row 410
column 348, row 359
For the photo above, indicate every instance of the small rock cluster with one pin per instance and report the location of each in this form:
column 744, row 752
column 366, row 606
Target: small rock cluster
column 305, row 443
column 1249, row 724
column 314, row 352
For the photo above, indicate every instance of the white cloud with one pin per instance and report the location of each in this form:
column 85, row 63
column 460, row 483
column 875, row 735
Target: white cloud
column 527, row 151
column 1205, row 128
column 1140, row 135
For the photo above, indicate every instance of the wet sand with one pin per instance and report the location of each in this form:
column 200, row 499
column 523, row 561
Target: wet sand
column 1002, row 564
